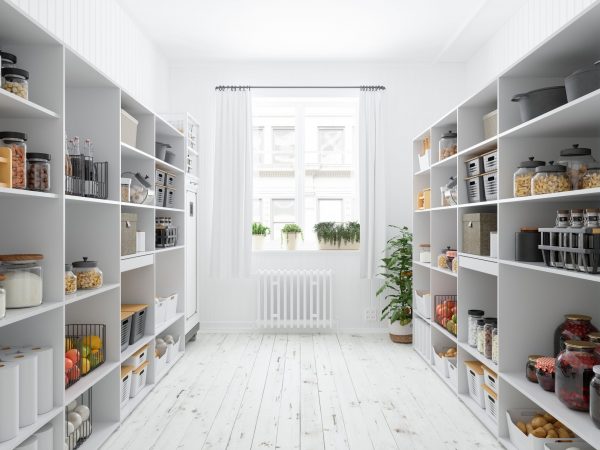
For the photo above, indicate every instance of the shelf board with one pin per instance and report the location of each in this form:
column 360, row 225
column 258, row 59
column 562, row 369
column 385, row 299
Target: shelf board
column 164, row 128
column 163, row 326
column 478, row 356
column 101, row 432
column 137, row 255
column 480, row 148
column 422, row 172
column 14, row 107
column 99, row 201
column 422, row 317
column 472, row 205
column 130, row 152
column 27, row 431
column 131, row 349
column 443, row 208
column 440, row 329
column 162, row 208
column 542, row 267
column 169, row 367
column 136, row 205
column 579, row 422
column 85, row 294
column 16, row 315
column 483, row 264
column 449, row 161
column 580, row 194
column 133, row 403
column 167, row 167
column 86, row 382
column 422, row 264
column 444, row 271
column 9, row 192
column 480, row 414
column 158, row 251
column 418, row 211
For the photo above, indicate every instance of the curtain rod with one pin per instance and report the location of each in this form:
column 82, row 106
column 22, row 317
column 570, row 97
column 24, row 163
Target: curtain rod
column 367, row 88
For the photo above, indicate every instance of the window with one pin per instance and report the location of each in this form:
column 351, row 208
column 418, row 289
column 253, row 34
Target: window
column 257, row 210
column 307, row 169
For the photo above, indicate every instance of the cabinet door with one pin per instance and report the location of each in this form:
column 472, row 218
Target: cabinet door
column 191, row 248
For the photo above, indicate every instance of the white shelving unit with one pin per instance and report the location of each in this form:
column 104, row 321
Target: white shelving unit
column 68, row 96
column 529, row 299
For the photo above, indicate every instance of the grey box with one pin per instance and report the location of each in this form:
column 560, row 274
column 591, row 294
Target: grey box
column 476, row 233
column 128, row 230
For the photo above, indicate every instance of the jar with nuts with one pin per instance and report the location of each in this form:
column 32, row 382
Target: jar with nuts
column 550, row 179
column 15, row 81
column 576, row 159
column 38, row 172
column 17, row 143
column 523, row 175
column 89, row 276
column 591, row 179
column 448, row 145
column 70, row 280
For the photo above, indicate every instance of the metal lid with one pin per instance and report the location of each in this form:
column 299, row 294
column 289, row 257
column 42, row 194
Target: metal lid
column 449, row 134
column 143, row 180
column 580, row 345
column 578, row 317
column 475, row 312
column 533, row 358
column 592, row 210
column 594, row 337
column 551, row 167
column 593, row 165
column 451, row 183
column 576, row 151
column 85, row 263
column 68, row 267
column 14, row 71
column 45, row 156
column 490, row 319
column 531, row 163
column 577, row 211
column 8, row 57
column 13, row 135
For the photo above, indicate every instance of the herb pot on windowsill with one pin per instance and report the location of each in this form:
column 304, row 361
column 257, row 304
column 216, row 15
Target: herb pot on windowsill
column 291, row 240
column 258, row 241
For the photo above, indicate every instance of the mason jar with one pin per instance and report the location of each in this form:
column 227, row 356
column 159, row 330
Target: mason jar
column 16, row 81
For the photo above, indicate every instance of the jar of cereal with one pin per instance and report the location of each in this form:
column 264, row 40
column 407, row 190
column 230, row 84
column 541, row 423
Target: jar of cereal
column 89, row 276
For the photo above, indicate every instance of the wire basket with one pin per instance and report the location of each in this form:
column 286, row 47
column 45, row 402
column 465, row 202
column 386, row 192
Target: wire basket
column 571, row 248
column 85, row 348
column 445, row 312
column 88, row 178
column 78, row 413
column 166, row 237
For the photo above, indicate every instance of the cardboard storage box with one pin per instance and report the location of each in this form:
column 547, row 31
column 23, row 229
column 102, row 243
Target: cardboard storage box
column 476, row 233
column 128, row 233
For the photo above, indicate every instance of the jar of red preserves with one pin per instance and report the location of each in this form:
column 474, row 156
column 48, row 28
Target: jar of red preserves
column 530, row 368
column 544, row 371
column 576, row 327
column 595, row 397
column 594, row 338
column 574, row 372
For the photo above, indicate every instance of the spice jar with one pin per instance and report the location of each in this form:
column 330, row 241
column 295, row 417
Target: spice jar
column 16, row 142
column 522, row 177
column 480, row 336
column 448, row 145
column 2, row 297
column 550, row 179
column 23, row 281
column 89, row 276
column 425, row 253
column 591, row 178
column 595, row 397
column 70, row 280
column 563, row 218
column 591, row 217
column 495, row 346
column 38, row 172
column 126, row 190
column 574, row 372
column 15, row 81
column 576, row 327
column 530, row 368
column 8, row 60
column 490, row 324
column 474, row 316
column 576, row 160
column 576, row 220
column 544, row 372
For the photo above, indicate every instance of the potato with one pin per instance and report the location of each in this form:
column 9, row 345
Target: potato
column 558, row 425
column 538, row 422
column 549, row 418
column 529, row 428
column 562, row 433
column 548, row 427
column 521, row 426
column 539, row 432
column 552, row 434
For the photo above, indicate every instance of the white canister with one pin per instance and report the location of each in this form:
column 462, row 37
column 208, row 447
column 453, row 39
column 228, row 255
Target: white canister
column 23, row 280
column 140, row 241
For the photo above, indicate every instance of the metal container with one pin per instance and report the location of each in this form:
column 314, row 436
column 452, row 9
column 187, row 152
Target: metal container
column 128, row 233
column 583, row 81
column 476, row 233
column 540, row 101
column 526, row 245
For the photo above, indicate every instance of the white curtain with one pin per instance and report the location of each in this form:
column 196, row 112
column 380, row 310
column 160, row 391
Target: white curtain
column 232, row 197
column 372, row 182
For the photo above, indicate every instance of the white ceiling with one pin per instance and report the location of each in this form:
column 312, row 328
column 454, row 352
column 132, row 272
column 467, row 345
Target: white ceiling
column 320, row 30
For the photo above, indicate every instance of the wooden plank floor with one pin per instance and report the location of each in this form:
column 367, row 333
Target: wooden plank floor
column 254, row 391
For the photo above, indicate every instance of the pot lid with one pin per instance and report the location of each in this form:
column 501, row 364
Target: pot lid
column 143, row 180
column 21, row 258
column 8, row 57
column 551, row 167
column 13, row 135
column 45, row 156
column 531, row 163
column 85, row 263
column 595, row 66
column 575, row 150
column 451, row 183
column 14, row 71
column 475, row 312
column 449, row 134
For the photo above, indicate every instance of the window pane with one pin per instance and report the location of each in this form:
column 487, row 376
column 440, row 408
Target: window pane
column 283, row 211
column 257, row 210
column 331, row 145
column 331, row 210
column 284, row 146
column 258, row 144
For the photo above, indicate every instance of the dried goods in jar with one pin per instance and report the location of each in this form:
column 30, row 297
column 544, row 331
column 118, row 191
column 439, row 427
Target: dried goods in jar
column 591, row 179
column 16, row 141
column 70, row 280
column 574, row 372
column 576, row 327
column 38, row 172
column 523, row 175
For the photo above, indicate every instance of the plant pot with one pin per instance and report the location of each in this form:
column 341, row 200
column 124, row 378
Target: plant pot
column 540, row 101
column 257, row 242
column 400, row 334
column 343, row 245
column 291, row 240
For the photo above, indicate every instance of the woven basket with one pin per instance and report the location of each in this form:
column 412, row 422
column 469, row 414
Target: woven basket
column 401, row 339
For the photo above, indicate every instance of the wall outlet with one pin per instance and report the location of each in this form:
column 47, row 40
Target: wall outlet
column 370, row 314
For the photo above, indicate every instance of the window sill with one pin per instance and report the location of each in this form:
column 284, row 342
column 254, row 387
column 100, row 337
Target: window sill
column 310, row 252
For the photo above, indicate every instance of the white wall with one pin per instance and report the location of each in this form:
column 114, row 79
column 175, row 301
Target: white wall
column 416, row 95
column 105, row 35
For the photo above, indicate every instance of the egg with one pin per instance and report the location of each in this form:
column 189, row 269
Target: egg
column 83, row 411
column 71, row 406
column 70, row 428
column 75, row 419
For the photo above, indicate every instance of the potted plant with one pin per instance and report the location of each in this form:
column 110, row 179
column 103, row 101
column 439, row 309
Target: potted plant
column 338, row 236
column 397, row 286
column 290, row 233
column 259, row 232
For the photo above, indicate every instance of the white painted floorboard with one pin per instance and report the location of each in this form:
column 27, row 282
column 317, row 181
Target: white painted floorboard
column 255, row 391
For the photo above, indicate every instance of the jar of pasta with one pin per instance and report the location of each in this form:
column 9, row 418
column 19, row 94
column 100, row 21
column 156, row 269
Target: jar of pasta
column 550, row 179
column 523, row 175
column 591, row 179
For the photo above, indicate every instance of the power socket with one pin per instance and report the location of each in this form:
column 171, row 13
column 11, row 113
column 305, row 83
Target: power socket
column 370, row 314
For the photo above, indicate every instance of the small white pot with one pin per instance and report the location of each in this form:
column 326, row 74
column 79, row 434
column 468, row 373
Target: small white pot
column 257, row 242
column 291, row 240
column 400, row 333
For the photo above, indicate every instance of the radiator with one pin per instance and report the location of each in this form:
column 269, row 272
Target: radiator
column 295, row 299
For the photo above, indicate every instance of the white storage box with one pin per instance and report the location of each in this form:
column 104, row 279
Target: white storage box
column 160, row 363
column 140, row 241
column 125, row 383
column 171, row 305
column 490, row 379
column 475, row 381
column 439, row 362
column 138, row 379
column 490, row 124
column 423, row 303
column 424, row 160
column 172, row 350
column 491, row 403
column 138, row 358
column 160, row 311
column 565, row 444
column 129, row 126
column 518, row 438
column 452, row 372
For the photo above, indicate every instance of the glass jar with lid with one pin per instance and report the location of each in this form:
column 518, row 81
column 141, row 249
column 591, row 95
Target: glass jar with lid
column 480, row 336
column 490, row 324
column 522, row 177
column 8, row 60
column 425, row 253
column 16, row 141
column 592, row 217
column 2, row 297
column 576, row 327
column 576, row 160
column 23, row 281
column 591, row 178
column 442, row 261
column 38, row 172
column 563, row 218
column 595, row 397
column 545, row 373
column 448, row 145
column 530, row 368
column 574, row 373
column 550, row 179
column 70, row 280
column 474, row 316
column 16, row 81
column 451, row 255
column 576, row 220
column 89, row 276
column 449, row 193
column 495, row 346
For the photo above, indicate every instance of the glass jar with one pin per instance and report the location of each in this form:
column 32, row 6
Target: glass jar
column 89, row 276
column 495, row 346
column 448, row 145
column 425, row 253
column 23, row 281
column 591, row 217
column 522, row 177
column 550, row 179
column 591, row 179
column 126, row 190
column 490, row 324
column 530, row 368
column 38, row 172
column 576, row 327
column 449, row 193
column 455, row 265
column 8, row 60
column 16, row 81
column 17, row 143
column 480, row 336
column 442, row 261
column 576, row 220
column 594, row 338
column 595, row 397
column 545, row 373
column 576, row 160
column 474, row 316
column 574, row 372
column 2, row 297
column 563, row 218
column 70, row 280
column 450, row 257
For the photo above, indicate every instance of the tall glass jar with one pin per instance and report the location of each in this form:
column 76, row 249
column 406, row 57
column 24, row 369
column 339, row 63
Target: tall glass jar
column 38, row 172
column 2, row 297
column 16, row 81
column 474, row 316
column 550, row 179
column 522, row 177
column 490, row 324
column 480, row 336
column 563, row 218
column 530, row 368
column 591, row 179
column 495, row 346
column 576, row 160
column 576, row 327
column 448, row 145
column 17, row 143
column 576, row 218
column 595, row 397
column 574, row 372
column 23, row 281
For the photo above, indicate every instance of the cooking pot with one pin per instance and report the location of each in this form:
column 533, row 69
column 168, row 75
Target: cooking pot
column 583, row 81
column 540, row 101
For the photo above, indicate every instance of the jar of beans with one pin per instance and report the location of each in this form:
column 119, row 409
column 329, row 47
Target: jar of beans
column 595, row 397
column 480, row 336
column 576, row 327
column 530, row 368
column 17, row 143
column 474, row 316
column 490, row 324
column 495, row 346
column 574, row 373
column 16, row 81
column 38, row 172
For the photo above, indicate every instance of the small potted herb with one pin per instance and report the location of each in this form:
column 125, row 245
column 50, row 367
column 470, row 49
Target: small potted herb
column 338, row 236
column 259, row 232
column 290, row 233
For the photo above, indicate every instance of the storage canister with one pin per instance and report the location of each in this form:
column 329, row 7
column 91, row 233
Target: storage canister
column 70, row 280
column 128, row 233
column 574, row 373
column 522, row 177
column 89, row 276
column 530, row 368
column 550, row 179
column 126, row 190
column 448, row 146
column 38, row 172
column 563, row 218
column 425, row 253
column 592, row 217
column 526, row 245
column 16, row 141
column 476, row 233
column 576, row 220
column 449, row 193
column 488, row 328
column 2, row 297
column 480, row 336
column 576, row 159
column 474, row 316
column 591, row 179
column 595, row 397
column 576, row 327
column 495, row 346
column 23, row 281
column 16, row 81
column 8, row 60
column 545, row 372
column 442, row 260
